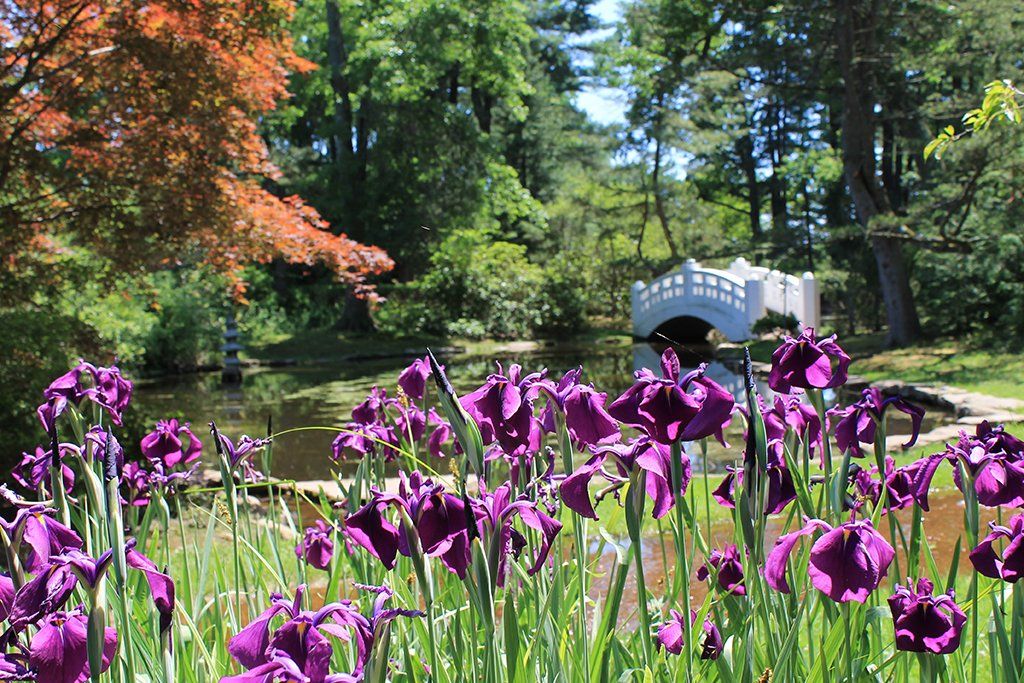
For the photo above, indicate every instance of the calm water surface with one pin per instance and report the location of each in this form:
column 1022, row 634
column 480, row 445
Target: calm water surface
column 324, row 395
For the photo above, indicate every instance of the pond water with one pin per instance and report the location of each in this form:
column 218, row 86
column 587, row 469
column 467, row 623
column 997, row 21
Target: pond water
column 324, row 395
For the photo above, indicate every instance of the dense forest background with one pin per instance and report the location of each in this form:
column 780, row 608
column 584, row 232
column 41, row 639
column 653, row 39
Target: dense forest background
column 452, row 136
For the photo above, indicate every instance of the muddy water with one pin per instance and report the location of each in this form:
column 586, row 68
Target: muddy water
column 943, row 526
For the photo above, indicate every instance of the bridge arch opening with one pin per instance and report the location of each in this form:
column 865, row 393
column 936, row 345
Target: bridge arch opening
column 685, row 329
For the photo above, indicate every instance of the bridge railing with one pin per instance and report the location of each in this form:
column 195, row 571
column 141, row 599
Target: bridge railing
column 732, row 300
column 783, row 293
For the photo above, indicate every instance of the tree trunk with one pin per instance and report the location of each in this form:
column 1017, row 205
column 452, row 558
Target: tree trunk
column 808, row 229
column 351, row 162
column 777, row 182
column 745, row 151
column 336, row 59
column 355, row 317
column 857, row 53
column 483, row 103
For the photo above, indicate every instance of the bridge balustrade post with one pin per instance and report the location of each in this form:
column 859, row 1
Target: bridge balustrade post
column 810, row 301
column 741, row 267
column 754, row 301
column 688, row 267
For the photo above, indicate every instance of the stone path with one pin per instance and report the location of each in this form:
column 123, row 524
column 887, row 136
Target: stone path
column 970, row 408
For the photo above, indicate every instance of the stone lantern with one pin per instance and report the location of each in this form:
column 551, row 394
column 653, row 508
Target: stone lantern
column 232, row 372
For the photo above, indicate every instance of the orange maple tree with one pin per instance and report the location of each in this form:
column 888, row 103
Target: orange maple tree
column 131, row 127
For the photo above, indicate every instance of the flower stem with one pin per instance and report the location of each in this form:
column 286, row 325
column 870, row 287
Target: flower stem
column 682, row 561
column 818, row 401
column 579, row 526
column 634, row 516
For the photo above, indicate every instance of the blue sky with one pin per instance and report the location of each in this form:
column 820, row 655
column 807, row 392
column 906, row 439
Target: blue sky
column 603, row 105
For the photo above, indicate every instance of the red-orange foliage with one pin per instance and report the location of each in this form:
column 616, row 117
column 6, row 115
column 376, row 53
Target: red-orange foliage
column 131, row 127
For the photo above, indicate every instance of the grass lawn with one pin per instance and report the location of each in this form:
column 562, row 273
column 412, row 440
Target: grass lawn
column 941, row 361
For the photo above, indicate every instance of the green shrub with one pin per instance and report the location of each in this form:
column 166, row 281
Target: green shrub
column 773, row 322
column 561, row 299
column 189, row 312
column 478, row 286
column 980, row 293
column 37, row 346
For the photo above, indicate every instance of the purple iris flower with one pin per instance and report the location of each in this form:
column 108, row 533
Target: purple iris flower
column 46, row 593
column 38, row 536
column 110, row 390
column 380, row 619
column 59, row 651
column 801, row 418
column 780, row 490
column 86, row 569
column 68, row 388
column 665, row 409
column 34, row 469
column 925, row 622
column 995, row 460
column 14, row 667
column 249, row 646
column 728, row 570
column 495, row 513
column 855, row 424
column 240, row 455
column 672, row 632
column 440, row 435
column 808, row 364
column 900, row 484
column 279, row 667
column 113, row 391
column 299, row 648
column 847, row 562
column 136, row 481
column 413, row 379
column 365, row 439
column 586, row 418
column 503, row 409
column 435, row 519
column 411, row 423
column 161, row 585
column 556, row 394
column 89, row 571
column 165, row 444
column 7, row 594
column 316, row 547
column 642, row 453
column 372, row 408
column 96, row 446
column 1007, row 565
column 142, row 481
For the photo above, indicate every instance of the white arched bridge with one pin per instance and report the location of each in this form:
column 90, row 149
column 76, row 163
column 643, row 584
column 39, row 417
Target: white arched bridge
column 684, row 304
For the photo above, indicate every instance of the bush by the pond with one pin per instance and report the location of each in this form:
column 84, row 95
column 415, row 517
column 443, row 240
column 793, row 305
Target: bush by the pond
column 773, row 322
column 490, row 557
column 478, row 286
